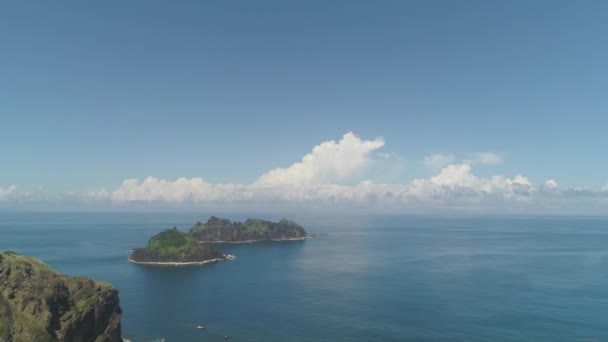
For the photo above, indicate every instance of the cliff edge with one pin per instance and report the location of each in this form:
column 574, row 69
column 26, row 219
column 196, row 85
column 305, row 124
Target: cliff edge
column 39, row 304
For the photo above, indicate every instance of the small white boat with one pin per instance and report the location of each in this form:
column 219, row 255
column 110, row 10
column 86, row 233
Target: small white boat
column 200, row 327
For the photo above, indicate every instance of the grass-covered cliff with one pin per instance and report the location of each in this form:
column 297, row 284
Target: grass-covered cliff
column 217, row 230
column 39, row 304
column 174, row 246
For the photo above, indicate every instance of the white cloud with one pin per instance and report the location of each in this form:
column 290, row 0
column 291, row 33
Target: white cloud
column 318, row 180
column 578, row 192
column 550, row 184
column 456, row 182
column 8, row 193
column 437, row 161
column 181, row 190
column 328, row 162
column 550, row 188
column 486, row 158
column 321, row 179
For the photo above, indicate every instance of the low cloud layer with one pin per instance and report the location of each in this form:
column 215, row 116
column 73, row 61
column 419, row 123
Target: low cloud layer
column 8, row 193
column 323, row 179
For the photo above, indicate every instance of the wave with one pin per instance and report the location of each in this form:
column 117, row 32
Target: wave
column 210, row 261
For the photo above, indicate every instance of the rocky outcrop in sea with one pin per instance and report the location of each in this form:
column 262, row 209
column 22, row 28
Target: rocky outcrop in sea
column 223, row 230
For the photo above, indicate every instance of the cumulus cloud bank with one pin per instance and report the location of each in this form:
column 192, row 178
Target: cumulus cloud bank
column 315, row 177
column 320, row 177
column 456, row 183
column 181, row 190
column 328, row 162
column 324, row 178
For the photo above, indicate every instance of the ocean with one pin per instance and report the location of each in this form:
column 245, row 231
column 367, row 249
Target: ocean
column 372, row 278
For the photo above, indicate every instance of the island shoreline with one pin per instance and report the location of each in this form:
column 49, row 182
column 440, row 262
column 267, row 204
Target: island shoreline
column 228, row 257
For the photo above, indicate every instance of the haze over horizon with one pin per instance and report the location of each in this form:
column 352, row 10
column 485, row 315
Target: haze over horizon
column 471, row 107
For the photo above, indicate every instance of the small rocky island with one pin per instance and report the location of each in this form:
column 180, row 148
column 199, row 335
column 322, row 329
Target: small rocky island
column 39, row 304
column 252, row 230
column 173, row 247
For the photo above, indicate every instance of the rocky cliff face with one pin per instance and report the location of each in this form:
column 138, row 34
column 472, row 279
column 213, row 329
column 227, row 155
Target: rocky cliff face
column 216, row 230
column 39, row 304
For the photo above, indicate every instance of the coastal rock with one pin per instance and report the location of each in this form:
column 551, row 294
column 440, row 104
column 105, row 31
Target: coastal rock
column 223, row 230
column 174, row 247
column 39, row 304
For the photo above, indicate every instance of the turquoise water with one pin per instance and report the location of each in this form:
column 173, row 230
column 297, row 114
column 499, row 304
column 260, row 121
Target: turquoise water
column 383, row 278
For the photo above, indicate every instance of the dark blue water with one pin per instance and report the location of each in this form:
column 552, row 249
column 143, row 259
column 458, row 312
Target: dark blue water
column 372, row 279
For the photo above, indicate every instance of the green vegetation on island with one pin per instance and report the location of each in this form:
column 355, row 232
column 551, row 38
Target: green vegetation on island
column 223, row 230
column 174, row 246
column 39, row 304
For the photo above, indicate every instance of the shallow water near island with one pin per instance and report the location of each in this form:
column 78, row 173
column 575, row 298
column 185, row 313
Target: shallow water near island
column 380, row 278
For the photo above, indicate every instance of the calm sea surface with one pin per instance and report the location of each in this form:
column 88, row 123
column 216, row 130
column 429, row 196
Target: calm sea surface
column 383, row 278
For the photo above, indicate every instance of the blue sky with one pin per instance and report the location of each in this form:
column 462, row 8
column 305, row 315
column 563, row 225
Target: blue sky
column 92, row 94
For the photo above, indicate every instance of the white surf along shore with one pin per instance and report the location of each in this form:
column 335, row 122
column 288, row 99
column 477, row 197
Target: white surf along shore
column 210, row 261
